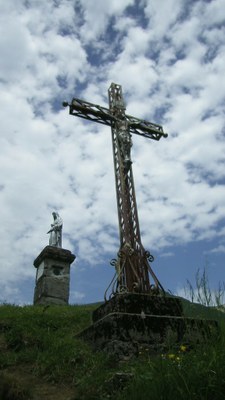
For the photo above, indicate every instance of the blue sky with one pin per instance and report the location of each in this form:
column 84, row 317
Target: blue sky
column 169, row 57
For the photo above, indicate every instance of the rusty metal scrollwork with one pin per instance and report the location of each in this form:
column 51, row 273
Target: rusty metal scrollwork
column 149, row 256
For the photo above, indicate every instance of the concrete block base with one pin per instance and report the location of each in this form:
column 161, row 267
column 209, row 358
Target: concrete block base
column 53, row 276
column 156, row 322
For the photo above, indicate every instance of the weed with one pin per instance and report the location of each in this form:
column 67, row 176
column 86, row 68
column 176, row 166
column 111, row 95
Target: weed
column 183, row 374
column 202, row 293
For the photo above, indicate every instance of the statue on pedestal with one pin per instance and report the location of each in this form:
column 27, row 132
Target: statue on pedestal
column 55, row 238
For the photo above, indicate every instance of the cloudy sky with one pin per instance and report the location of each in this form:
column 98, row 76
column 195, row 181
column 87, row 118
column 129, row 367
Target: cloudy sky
column 169, row 57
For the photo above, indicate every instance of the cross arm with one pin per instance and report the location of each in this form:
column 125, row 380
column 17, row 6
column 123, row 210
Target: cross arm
column 145, row 128
column 102, row 115
column 92, row 112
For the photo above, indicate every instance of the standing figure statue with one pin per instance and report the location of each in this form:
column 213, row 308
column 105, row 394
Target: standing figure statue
column 125, row 142
column 55, row 238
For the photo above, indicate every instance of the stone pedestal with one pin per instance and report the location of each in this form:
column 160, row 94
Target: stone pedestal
column 53, row 276
column 132, row 321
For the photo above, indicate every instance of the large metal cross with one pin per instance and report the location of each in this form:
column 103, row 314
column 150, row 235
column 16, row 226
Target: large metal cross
column 133, row 262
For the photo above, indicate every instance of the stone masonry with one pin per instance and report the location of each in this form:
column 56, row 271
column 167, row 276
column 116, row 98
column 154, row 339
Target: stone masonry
column 53, row 276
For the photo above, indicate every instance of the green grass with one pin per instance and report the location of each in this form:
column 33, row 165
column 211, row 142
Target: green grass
column 191, row 374
column 42, row 340
column 196, row 310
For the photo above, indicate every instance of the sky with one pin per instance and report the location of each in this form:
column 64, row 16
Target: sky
column 169, row 57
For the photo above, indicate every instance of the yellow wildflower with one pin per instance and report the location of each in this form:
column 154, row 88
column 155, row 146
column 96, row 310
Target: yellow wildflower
column 183, row 348
column 171, row 356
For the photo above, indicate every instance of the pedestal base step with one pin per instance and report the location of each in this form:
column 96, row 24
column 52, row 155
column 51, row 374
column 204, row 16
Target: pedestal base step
column 130, row 321
column 130, row 331
column 137, row 303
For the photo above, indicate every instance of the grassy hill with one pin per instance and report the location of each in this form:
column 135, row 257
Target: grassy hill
column 40, row 359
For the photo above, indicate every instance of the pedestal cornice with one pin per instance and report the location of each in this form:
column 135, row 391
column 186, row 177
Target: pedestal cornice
column 55, row 253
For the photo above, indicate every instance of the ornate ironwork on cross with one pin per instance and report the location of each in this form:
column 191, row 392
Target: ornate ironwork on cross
column 132, row 266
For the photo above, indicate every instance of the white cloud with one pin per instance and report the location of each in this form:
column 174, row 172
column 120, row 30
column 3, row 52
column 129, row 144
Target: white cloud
column 131, row 74
column 162, row 15
column 76, row 296
column 97, row 17
column 218, row 249
column 212, row 13
column 171, row 66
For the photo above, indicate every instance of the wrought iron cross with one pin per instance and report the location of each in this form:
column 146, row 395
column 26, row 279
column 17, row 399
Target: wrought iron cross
column 133, row 262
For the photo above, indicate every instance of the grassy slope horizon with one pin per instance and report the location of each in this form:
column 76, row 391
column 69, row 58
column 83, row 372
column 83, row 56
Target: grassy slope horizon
column 40, row 356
